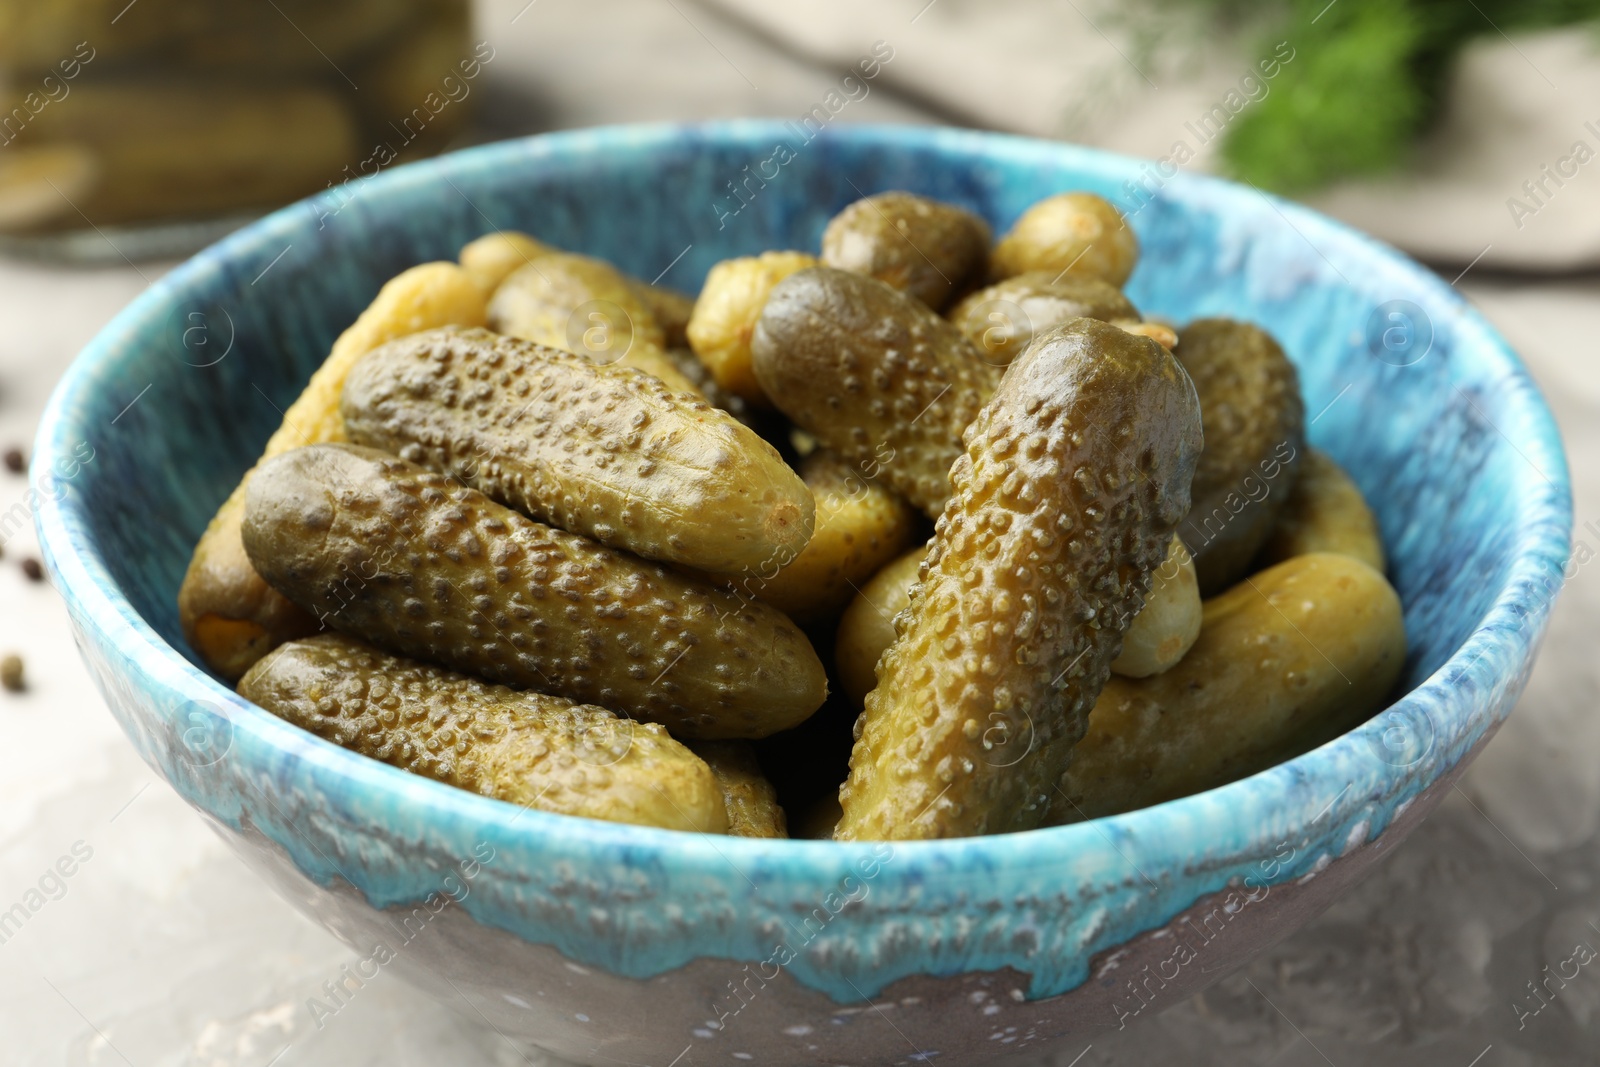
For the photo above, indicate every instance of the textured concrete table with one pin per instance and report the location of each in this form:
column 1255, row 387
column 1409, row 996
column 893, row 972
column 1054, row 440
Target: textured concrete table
column 160, row 948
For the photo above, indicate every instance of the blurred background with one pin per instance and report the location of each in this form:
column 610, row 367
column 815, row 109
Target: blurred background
column 133, row 133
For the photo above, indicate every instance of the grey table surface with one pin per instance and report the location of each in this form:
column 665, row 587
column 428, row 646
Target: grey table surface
column 162, row 949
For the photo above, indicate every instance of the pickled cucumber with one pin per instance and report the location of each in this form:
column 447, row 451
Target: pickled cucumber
column 131, row 148
column 229, row 615
column 1156, row 638
column 521, row 747
column 1002, row 319
column 537, row 301
column 725, row 316
column 860, row 526
column 1168, row 624
column 1159, row 332
column 1286, row 660
column 602, row 451
column 928, row 249
column 1325, row 513
column 1068, row 235
column 586, row 306
column 1074, row 476
column 752, row 803
column 873, row 374
column 866, row 629
column 35, row 36
column 402, row 75
column 1254, row 425
column 423, row 566
column 494, row 257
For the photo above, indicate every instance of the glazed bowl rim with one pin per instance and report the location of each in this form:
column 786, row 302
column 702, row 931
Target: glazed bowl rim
column 1485, row 659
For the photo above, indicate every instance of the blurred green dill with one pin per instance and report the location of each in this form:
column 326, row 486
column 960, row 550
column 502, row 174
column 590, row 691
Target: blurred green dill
column 1367, row 79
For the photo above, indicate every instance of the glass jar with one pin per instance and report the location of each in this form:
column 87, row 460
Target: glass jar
column 146, row 127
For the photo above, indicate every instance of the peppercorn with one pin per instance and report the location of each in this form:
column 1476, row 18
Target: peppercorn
column 11, row 673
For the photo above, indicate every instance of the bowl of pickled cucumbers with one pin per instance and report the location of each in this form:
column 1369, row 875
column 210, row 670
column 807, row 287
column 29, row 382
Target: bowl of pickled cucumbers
column 717, row 591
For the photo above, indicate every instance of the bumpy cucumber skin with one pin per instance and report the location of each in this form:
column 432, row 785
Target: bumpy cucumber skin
column 1255, row 435
column 421, row 565
column 873, row 374
column 602, row 451
column 1292, row 658
column 524, row 748
column 926, row 248
column 752, row 802
column 1004, row 318
column 229, row 615
column 689, row 365
column 1073, row 479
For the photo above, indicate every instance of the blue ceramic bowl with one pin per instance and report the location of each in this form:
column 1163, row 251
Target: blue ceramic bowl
column 609, row 943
